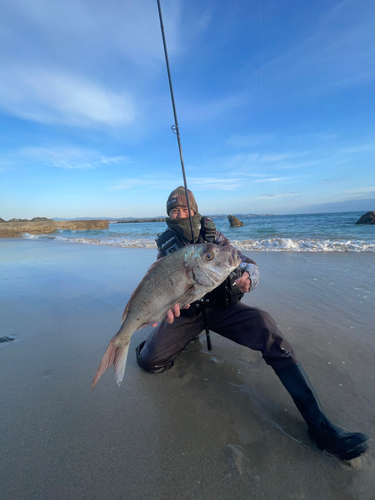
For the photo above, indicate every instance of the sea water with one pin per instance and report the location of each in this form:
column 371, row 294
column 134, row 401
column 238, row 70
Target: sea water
column 324, row 232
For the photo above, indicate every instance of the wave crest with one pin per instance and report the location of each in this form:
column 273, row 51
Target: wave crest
column 253, row 245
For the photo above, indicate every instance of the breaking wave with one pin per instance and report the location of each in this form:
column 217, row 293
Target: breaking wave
column 253, row 245
column 304, row 245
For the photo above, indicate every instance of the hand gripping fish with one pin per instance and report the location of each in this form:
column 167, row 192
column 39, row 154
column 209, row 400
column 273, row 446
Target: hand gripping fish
column 179, row 278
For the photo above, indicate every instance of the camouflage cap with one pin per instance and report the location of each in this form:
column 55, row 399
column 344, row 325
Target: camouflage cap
column 177, row 198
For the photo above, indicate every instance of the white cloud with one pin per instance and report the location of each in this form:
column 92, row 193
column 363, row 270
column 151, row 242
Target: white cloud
column 279, row 195
column 213, row 183
column 361, row 148
column 248, row 141
column 66, row 30
column 84, row 63
column 68, row 158
column 271, row 179
column 280, row 157
column 51, row 96
column 360, row 192
column 195, row 183
column 303, row 164
column 339, row 53
column 145, row 182
column 207, row 110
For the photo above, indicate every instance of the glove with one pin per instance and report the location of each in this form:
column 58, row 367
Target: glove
column 254, row 273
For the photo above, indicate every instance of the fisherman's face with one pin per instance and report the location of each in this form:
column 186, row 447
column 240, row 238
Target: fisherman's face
column 180, row 213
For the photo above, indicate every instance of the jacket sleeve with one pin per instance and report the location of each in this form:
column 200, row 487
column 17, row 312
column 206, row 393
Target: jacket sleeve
column 220, row 239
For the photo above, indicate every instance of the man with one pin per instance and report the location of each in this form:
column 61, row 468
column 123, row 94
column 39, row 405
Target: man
column 222, row 312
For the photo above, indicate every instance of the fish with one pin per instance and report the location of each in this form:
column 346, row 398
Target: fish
column 181, row 277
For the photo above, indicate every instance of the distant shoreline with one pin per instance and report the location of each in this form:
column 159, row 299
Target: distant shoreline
column 136, row 221
column 163, row 219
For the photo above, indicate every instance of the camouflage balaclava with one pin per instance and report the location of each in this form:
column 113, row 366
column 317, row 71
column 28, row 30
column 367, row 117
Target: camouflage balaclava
column 177, row 198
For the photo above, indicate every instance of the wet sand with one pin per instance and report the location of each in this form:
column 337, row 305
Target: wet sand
column 218, row 425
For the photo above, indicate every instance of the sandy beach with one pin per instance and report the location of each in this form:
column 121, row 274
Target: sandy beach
column 219, row 425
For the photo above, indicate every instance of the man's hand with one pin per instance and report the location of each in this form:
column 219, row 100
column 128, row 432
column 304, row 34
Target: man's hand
column 244, row 283
column 173, row 313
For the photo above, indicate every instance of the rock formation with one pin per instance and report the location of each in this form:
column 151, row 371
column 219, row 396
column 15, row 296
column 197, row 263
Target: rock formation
column 10, row 228
column 234, row 222
column 368, row 218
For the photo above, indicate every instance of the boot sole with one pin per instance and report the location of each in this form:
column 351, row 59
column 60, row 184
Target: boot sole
column 355, row 452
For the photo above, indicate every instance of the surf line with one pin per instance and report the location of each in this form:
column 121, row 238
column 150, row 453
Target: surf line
column 175, row 127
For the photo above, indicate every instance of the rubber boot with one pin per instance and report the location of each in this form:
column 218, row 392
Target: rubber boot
column 151, row 367
column 327, row 436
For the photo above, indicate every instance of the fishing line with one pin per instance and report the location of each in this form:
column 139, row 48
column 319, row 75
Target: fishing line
column 175, row 128
column 261, row 91
column 261, row 63
column 176, row 131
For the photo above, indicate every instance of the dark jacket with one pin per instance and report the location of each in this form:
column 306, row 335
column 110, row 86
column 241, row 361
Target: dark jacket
column 227, row 293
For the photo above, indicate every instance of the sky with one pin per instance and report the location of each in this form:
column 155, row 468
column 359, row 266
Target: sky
column 275, row 105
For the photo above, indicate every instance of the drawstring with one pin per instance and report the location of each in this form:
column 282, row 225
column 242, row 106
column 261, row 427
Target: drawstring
column 208, row 338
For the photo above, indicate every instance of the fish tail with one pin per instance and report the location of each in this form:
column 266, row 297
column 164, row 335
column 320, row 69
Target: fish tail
column 115, row 356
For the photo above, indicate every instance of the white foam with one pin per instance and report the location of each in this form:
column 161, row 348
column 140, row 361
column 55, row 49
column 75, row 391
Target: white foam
column 253, row 245
column 304, row 245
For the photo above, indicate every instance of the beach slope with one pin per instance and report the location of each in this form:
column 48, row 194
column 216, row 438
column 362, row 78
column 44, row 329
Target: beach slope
column 218, row 425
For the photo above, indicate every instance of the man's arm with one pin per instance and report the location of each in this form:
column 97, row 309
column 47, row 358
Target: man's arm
column 250, row 278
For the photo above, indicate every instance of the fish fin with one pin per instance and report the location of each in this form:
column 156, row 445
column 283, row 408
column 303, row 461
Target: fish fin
column 149, row 323
column 115, row 356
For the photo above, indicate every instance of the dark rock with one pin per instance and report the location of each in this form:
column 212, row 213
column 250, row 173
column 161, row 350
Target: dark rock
column 368, row 218
column 2, row 220
column 38, row 219
column 6, row 338
column 234, row 222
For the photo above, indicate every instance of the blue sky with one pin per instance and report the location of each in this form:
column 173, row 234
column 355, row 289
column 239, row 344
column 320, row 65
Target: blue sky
column 275, row 103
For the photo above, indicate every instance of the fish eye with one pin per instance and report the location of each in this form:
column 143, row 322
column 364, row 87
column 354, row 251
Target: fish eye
column 209, row 256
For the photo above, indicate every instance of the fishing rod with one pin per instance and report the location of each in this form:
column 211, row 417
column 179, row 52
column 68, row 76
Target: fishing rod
column 176, row 131
column 175, row 127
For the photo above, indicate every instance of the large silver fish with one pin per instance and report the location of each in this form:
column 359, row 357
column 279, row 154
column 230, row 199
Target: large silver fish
column 179, row 278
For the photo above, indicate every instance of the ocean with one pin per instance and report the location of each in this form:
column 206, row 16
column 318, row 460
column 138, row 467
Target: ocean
column 325, row 232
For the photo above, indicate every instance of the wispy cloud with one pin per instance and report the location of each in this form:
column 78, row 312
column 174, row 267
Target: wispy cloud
column 280, row 195
column 361, row 148
column 365, row 192
column 213, row 183
column 209, row 109
column 51, row 96
column 281, row 157
column 248, row 141
column 144, row 182
column 272, row 179
column 335, row 180
column 80, row 63
column 339, row 53
column 69, row 158
column 303, row 164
